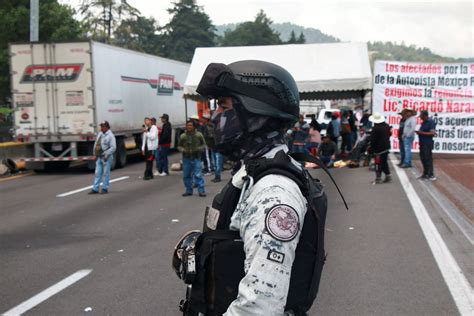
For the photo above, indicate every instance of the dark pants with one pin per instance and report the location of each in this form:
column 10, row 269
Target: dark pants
column 149, row 154
column 346, row 142
column 402, row 150
column 162, row 159
column 382, row 166
column 426, row 156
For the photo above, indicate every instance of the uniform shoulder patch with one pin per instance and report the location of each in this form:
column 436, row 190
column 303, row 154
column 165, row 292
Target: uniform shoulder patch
column 282, row 222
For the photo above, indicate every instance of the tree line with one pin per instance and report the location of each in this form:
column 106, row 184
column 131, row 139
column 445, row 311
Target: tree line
column 118, row 23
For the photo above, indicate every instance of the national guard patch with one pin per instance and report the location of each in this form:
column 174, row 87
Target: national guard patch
column 282, row 222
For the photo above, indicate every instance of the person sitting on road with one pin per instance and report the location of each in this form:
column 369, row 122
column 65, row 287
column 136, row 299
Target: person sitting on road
column 327, row 151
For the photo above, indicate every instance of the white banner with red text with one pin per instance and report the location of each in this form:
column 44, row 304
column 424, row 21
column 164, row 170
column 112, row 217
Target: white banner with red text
column 445, row 90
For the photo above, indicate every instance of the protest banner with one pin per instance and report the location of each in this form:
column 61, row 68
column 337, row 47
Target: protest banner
column 445, row 90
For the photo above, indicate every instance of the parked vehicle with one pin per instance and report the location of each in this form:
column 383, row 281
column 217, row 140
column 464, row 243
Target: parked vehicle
column 62, row 91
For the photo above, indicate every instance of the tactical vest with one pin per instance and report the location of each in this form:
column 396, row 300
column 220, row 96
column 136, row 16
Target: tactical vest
column 220, row 254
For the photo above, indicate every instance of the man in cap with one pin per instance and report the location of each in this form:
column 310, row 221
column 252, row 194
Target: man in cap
column 380, row 145
column 426, row 133
column 164, row 145
column 104, row 149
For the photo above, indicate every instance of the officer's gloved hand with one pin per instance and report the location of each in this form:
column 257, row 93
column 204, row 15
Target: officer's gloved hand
column 238, row 178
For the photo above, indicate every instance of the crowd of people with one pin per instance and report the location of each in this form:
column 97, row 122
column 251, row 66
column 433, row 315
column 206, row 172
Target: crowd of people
column 340, row 140
column 350, row 137
column 195, row 145
column 346, row 137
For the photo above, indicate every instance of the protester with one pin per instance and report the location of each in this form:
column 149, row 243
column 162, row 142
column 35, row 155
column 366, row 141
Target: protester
column 360, row 147
column 217, row 160
column 104, row 149
column 345, row 134
column 314, row 138
column 300, row 135
column 353, row 126
column 206, row 156
column 401, row 145
column 191, row 145
column 426, row 133
column 314, row 123
column 408, row 136
column 380, row 145
column 334, row 128
column 164, row 145
column 327, row 151
column 149, row 145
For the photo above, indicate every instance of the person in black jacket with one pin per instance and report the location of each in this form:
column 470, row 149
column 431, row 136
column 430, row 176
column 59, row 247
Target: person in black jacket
column 380, row 144
column 164, row 145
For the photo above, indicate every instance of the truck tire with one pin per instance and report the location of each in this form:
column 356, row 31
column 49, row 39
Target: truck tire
column 120, row 154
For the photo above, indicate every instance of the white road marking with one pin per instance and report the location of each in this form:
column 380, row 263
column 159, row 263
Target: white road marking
column 88, row 188
column 458, row 285
column 44, row 295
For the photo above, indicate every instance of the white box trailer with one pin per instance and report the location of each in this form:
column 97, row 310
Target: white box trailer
column 62, row 91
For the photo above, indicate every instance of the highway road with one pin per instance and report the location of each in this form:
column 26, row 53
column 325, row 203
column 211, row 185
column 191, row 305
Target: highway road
column 63, row 252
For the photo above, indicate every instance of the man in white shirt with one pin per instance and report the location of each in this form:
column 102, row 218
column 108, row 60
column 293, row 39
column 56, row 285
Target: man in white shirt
column 149, row 146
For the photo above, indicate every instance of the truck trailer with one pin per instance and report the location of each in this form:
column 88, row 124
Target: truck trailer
column 62, row 91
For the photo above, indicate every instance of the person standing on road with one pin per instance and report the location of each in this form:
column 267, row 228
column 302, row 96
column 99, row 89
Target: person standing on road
column 267, row 213
column 334, row 128
column 426, row 133
column 380, row 144
column 164, row 145
column 408, row 136
column 149, row 145
column 217, row 160
column 191, row 145
column 104, row 149
column 401, row 145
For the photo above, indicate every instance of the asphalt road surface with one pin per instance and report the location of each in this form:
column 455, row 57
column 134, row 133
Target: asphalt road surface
column 379, row 261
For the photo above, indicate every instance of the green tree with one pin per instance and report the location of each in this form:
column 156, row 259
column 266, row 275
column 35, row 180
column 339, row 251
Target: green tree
column 258, row 32
column 301, row 39
column 190, row 27
column 292, row 39
column 102, row 17
column 138, row 34
column 56, row 23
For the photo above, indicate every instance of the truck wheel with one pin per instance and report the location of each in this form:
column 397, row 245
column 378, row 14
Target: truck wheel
column 120, row 154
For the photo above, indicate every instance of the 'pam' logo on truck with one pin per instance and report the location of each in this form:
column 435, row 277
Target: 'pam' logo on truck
column 165, row 84
column 47, row 73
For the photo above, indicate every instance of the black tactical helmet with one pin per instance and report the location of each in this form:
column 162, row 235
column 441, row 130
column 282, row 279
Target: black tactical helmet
column 263, row 88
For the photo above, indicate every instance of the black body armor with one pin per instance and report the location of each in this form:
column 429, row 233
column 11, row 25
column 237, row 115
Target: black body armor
column 220, row 254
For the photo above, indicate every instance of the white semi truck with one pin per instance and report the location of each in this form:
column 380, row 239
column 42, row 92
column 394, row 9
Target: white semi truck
column 62, row 91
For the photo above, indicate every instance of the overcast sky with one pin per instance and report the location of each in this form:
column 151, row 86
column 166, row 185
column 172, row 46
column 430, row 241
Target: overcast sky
column 444, row 26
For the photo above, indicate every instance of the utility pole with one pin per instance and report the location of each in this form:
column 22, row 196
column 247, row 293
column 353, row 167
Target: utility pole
column 34, row 20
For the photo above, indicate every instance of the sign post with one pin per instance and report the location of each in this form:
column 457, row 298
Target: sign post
column 34, row 20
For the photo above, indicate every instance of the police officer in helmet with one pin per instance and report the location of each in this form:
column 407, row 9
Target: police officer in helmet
column 257, row 102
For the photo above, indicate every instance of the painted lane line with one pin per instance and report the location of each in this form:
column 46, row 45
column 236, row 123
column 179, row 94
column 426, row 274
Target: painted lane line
column 44, row 295
column 88, row 188
column 458, row 285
